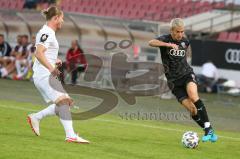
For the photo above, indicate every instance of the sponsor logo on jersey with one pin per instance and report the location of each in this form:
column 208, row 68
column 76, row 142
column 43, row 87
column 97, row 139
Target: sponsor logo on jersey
column 183, row 44
column 178, row 53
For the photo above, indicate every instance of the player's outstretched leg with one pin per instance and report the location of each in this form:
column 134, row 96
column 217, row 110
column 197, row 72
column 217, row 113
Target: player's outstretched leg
column 209, row 132
column 34, row 124
column 63, row 111
column 35, row 118
column 202, row 112
column 187, row 103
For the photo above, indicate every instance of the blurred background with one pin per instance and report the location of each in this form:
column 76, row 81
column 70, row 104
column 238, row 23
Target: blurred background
column 211, row 25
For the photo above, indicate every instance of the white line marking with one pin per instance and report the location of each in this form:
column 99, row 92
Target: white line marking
column 123, row 123
column 17, row 108
column 157, row 127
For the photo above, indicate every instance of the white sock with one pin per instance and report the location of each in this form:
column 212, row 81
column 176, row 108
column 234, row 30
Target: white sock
column 4, row 72
column 25, row 71
column 207, row 124
column 22, row 73
column 68, row 127
column 49, row 111
column 18, row 67
column 19, row 75
column 65, row 117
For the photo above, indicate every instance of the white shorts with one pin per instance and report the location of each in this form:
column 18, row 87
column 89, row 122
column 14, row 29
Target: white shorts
column 51, row 90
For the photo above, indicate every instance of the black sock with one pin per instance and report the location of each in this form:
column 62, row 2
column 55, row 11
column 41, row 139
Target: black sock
column 201, row 110
column 198, row 120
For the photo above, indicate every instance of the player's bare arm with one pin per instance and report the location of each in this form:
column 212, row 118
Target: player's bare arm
column 40, row 55
column 158, row 43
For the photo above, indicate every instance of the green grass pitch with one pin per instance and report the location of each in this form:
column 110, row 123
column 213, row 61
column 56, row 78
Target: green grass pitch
column 111, row 136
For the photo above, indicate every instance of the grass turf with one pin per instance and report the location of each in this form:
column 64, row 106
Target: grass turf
column 110, row 136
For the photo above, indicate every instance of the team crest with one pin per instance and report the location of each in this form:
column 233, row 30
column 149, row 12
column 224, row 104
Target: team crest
column 194, row 78
column 183, row 45
column 43, row 37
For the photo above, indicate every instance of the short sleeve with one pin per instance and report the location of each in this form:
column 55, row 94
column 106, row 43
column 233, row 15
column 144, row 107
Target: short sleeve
column 163, row 38
column 43, row 39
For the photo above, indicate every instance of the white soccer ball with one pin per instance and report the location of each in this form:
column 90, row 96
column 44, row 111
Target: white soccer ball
column 190, row 139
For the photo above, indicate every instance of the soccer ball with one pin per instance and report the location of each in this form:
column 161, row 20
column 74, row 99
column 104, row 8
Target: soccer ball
column 190, row 139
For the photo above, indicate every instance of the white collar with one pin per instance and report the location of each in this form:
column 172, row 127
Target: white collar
column 49, row 28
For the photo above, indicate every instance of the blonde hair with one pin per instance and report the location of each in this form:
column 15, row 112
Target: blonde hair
column 176, row 22
column 51, row 12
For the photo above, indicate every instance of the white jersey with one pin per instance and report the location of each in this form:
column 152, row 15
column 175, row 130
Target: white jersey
column 46, row 37
column 209, row 70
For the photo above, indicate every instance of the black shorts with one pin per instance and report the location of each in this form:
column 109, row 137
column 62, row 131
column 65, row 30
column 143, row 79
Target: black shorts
column 179, row 87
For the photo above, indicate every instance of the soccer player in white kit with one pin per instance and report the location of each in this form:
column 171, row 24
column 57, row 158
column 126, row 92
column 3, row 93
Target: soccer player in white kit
column 45, row 67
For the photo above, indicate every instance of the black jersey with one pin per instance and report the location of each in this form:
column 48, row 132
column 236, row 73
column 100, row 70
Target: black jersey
column 5, row 49
column 175, row 61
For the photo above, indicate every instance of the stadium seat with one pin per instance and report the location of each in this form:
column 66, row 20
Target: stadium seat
column 223, row 36
column 229, row 36
column 166, row 15
column 19, row 4
column 238, row 37
column 219, row 5
column 232, row 36
column 134, row 9
column 158, row 17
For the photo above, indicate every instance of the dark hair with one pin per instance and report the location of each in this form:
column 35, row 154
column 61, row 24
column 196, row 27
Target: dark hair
column 1, row 35
column 24, row 36
column 77, row 43
column 51, row 12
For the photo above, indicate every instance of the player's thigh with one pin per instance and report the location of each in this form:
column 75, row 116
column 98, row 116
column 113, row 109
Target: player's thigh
column 180, row 93
column 192, row 91
column 51, row 90
column 40, row 88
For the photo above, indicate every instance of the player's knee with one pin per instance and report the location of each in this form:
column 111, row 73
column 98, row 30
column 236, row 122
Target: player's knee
column 63, row 111
column 64, row 101
column 193, row 96
column 189, row 106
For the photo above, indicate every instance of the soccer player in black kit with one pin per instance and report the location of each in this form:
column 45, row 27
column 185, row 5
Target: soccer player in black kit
column 180, row 76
